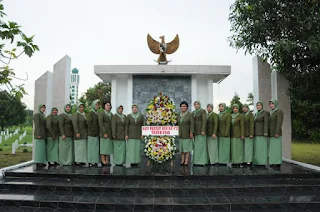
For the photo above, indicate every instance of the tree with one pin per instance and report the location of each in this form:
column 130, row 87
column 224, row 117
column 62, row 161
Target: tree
column 14, row 43
column 100, row 91
column 250, row 99
column 29, row 118
column 286, row 34
column 12, row 110
column 235, row 100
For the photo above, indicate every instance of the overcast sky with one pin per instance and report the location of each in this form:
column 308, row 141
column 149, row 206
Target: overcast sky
column 109, row 32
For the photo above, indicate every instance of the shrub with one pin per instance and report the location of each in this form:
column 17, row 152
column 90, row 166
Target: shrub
column 1, row 149
column 25, row 150
column 25, row 143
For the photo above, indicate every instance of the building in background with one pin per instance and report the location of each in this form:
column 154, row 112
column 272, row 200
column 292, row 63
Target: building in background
column 74, row 86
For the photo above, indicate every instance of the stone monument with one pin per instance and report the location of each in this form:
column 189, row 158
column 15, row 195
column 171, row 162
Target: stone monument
column 53, row 89
column 61, row 83
column 139, row 83
column 43, row 91
column 268, row 85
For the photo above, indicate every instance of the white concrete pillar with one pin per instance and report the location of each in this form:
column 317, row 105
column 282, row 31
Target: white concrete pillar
column 261, row 82
column 61, row 83
column 272, row 85
column 121, row 92
column 280, row 86
column 43, row 94
column 201, row 90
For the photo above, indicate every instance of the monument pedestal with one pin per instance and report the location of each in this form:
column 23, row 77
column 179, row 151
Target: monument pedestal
column 139, row 83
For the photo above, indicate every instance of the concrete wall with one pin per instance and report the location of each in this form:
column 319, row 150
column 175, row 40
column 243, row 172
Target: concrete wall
column 61, row 83
column 145, row 87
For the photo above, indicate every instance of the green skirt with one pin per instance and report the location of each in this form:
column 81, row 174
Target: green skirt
column 52, row 149
column 236, row 151
column 40, row 151
column 185, row 145
column 133, row 151
column 213, row 150
column 66, row 153
column 80, row 151
column 200, row 153
column 260, row 152
column 119, row 152
column 224, row 150
column 93, row 149
column 248, row 150
column 106, row 146
column 275, row 150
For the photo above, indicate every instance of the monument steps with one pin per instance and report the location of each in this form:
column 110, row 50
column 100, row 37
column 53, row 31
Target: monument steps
column 63, row 194
column 210, row 188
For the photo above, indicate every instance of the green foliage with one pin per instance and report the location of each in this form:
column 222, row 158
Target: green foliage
column 101, row 91
column 1, row 149
column 235, row 100
column 12, row 110
column 286, row 34
column 305, row 122
column 25, row 150
column 250, row 99
column 13, row 44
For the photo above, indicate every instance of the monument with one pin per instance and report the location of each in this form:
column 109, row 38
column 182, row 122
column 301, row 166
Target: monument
column 268, row 84
column 53, row 89
column 43, row 91
column 139, row 83
column 61, row 83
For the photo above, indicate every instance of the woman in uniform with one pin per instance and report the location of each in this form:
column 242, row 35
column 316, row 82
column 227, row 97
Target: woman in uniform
column 40, row 136
column 80, row 128
column 275, row 134
column 118, row 134
column 106, row 145
column 93, row 134
column 66, row 153
column 224, row 134
column 237, row 136
column 133, row 130
column 200, row 156
column 52, row 124
column 211, row 132
column 186, row 129
column 261, row 122
column 248, row 134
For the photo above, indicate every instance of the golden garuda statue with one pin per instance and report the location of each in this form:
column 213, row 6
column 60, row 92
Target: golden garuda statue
column 163, row 48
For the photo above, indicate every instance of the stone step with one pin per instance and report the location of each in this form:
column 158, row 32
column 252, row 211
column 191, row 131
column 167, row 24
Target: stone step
column 115, row 201
column 176, row 172
column 163, row 186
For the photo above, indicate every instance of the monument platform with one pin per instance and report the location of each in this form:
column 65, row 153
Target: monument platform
column 210, row 188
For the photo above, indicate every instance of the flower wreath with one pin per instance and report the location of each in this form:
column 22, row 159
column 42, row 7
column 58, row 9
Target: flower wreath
column 160, row 112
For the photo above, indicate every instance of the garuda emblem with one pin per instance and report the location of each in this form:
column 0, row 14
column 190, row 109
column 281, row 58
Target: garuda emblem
column 163, row 48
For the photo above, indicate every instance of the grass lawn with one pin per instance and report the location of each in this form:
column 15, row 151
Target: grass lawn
column 6, row 157
column 306, row 153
